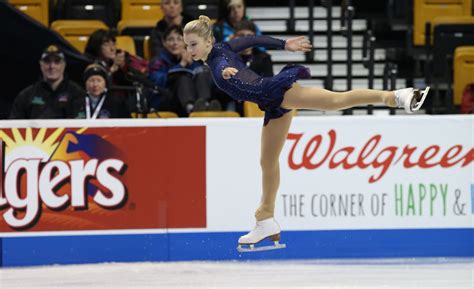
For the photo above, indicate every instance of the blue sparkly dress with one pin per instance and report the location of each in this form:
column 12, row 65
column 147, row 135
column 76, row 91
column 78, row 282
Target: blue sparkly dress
column 247, row 85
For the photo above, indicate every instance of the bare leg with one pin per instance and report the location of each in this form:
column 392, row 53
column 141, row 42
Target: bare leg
column 298, row 97
column 273, row 138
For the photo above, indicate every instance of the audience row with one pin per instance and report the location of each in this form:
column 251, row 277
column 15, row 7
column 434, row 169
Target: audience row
column 170, row 81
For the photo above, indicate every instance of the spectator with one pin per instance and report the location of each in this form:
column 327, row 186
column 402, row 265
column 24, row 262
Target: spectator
column 189, row 81
column 257, row 60
column 96, row 103
column 231, row 12
column 53, row 95
column 101, row 49
column 173, row 15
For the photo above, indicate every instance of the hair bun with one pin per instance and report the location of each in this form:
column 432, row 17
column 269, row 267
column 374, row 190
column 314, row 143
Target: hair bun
column 205, row 19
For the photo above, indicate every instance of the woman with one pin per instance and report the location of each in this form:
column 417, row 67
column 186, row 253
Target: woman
column 189, row 81
column 101, row 48
column 277, row 96
column 96, row 103
column 231, row 12
column 172, row 15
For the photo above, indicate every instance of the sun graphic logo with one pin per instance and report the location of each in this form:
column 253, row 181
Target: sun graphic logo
column 57, row 170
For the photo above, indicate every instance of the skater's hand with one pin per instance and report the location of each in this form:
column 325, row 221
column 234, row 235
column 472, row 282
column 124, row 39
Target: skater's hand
column 229, row 72
column 298, row 44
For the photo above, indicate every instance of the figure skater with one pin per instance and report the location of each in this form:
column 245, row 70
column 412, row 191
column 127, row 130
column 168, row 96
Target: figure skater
column 277, row 96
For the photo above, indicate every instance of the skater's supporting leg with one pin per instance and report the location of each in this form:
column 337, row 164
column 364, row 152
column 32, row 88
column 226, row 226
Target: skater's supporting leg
column 273, row 138
column 298, row 97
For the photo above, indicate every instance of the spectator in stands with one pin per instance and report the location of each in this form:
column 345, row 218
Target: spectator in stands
column 257, row 60
column 125, row 70
column 50, row 97
column 189, row 81
column 231, row 12
column 101, row 48
column 173, row 15
column 96, row 103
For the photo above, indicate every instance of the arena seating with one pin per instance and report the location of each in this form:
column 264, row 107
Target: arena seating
column 104, row 10
column 463, row 70
column 77, row 31
column 141, row 9
column 214, row 114
column 37, row 9
column 427, row 10
column 126, row 43
column 251, row 110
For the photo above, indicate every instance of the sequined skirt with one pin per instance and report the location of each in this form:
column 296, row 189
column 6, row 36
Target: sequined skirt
column 276, row 88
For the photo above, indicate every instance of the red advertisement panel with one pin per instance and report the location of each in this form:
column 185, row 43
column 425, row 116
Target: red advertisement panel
column 60, row 179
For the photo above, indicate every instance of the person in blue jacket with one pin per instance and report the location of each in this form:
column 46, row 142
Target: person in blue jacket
column 188, row 80
column 231, row 12
column 277, row 96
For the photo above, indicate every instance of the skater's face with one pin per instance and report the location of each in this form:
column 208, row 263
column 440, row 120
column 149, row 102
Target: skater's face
column 198, row 46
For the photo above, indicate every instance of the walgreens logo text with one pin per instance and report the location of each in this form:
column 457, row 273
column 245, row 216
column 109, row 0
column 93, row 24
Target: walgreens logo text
column 44, row 180
column 309, row 155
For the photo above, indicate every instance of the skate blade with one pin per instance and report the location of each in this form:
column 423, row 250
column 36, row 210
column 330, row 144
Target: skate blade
column 252, row 248
column 424, row 93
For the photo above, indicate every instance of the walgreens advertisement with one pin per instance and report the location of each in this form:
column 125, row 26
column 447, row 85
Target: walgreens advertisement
column 348, row 173
column 203, row 175
column 102, row 178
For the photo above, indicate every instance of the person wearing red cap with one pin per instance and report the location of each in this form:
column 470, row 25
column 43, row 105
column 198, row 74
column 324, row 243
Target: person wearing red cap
column 53, row 95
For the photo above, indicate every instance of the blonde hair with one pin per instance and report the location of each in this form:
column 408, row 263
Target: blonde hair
column 202, row 27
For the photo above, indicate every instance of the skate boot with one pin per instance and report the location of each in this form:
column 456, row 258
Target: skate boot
column 268, row 228
column 410, row 99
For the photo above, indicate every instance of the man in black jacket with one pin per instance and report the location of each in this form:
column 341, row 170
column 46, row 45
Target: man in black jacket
column 53, row 95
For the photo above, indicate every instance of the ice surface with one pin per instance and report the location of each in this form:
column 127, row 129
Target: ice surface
column 321, row 274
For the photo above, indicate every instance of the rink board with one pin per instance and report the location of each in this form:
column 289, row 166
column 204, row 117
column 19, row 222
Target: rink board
column 186, row 189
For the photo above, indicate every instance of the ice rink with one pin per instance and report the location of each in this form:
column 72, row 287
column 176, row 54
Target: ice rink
column 322, row 274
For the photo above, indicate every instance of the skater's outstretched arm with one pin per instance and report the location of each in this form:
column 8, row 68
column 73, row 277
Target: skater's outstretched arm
column 292, row 44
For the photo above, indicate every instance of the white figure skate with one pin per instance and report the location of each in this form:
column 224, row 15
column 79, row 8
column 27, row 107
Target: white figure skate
column 411, row 99
column 268, row 228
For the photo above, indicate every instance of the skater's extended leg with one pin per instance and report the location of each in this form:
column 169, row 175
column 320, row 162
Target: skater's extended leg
column 298, row 97
column 273, row 138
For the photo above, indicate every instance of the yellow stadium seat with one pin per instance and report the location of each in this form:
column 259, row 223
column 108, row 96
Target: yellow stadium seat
column 159, row 114
column 141, row 9
column 463, row 70
column 251, row 110
column 77, row 32
column 37, row 9
column 427, row 10
column 77, row 27
column 126, row 43
column 162, row 114
column 214, row 114
column 146, row 47
column 78, row 42
column 135, row 23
